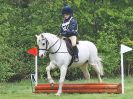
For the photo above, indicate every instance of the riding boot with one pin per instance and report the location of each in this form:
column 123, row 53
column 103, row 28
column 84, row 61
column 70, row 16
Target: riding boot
column 75, row 52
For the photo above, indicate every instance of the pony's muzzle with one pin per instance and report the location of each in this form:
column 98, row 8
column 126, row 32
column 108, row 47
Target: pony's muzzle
column 42, row 55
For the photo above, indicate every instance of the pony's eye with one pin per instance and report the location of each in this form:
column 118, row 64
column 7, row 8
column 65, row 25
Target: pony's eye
column 43, row 44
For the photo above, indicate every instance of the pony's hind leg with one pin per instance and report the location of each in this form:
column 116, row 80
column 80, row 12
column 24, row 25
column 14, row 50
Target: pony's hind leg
column 98, row 73
column 84, row 69
column 48, row 68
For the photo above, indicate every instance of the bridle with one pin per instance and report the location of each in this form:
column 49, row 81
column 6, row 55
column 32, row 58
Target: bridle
column 47, row 49
column 46, row 44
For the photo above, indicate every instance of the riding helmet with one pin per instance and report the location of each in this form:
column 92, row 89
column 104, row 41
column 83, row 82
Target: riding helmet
column 67, row 10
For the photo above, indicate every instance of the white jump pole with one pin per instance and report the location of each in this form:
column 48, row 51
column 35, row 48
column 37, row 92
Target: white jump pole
column 122, row 73
column 124, row 49
column 34, row 51
column 36, row 71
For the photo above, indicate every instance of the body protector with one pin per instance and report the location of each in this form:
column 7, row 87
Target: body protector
column 69, row 27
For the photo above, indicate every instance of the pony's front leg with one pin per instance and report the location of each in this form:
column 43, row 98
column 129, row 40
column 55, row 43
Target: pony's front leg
column 48, row 68
column 63, row 71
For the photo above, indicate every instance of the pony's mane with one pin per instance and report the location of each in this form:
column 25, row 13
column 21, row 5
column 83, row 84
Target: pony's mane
column 49, row 35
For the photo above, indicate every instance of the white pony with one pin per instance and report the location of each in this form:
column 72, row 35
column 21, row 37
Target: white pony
column 59, row 57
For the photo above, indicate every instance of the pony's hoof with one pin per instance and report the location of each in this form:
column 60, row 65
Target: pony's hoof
column 52, row 84
column 100, row 81
column 58, row 94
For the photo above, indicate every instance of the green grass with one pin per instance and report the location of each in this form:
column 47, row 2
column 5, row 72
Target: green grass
column 23, row 90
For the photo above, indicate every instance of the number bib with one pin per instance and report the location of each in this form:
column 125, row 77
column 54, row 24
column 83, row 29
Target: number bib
column 66, row 25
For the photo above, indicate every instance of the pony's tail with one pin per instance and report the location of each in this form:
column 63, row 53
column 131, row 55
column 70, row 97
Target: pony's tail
column 99, row 65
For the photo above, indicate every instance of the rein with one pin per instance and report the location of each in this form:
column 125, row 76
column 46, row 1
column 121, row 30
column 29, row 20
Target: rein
column 52, row 46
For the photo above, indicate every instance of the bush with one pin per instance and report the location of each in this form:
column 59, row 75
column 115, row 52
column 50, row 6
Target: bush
column 106, row 23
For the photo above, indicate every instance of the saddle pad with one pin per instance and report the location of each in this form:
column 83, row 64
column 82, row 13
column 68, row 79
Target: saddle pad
column 69, row 46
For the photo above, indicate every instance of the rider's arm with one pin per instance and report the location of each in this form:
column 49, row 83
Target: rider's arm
column 62, row 32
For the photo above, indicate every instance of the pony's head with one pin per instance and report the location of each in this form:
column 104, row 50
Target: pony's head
column 42, row 43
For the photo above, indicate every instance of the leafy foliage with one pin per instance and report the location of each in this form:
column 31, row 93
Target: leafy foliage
column 107, row 23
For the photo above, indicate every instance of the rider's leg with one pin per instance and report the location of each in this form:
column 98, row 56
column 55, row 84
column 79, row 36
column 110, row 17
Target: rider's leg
column 75, row 49
column 73, row 40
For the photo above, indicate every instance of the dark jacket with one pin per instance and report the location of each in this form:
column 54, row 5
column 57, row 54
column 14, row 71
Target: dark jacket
column 69, row 27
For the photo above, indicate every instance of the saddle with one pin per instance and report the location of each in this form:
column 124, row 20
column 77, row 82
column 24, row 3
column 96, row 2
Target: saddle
column 70, row 48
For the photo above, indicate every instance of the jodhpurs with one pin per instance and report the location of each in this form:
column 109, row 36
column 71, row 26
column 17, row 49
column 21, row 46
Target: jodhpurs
column 73, row 40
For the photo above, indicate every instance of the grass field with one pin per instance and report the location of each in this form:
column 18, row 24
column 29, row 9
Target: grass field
column 23, row 90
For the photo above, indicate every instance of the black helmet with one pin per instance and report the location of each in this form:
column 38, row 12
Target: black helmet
column 67, row 10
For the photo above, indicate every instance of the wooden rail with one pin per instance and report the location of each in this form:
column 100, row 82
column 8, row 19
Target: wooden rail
column 80, row 88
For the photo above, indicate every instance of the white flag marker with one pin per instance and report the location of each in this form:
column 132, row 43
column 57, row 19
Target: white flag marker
column 123, row 50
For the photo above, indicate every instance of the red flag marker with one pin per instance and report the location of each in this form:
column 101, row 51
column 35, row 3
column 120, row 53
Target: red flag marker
column 33, row 51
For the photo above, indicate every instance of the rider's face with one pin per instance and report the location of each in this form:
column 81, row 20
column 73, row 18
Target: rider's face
column 66, row 16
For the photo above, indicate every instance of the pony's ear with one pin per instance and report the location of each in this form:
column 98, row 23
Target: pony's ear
column 42, row 36
column 36, row 36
